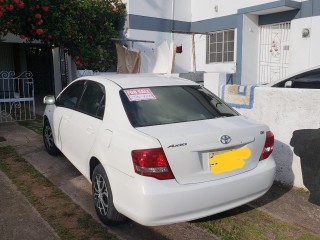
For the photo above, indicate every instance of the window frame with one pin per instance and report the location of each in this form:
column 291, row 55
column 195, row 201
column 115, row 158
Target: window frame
column 85, row 84
column 224, row 42
column 58, row 100
column 102, row 102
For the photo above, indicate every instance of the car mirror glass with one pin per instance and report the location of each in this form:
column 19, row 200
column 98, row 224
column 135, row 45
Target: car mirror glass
column 288, row 84
column 49, row 100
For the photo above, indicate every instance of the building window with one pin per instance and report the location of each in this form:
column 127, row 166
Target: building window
column 220, row 47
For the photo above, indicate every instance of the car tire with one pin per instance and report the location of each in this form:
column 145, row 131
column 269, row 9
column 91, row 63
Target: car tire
column 103, row 198
column 48, row 139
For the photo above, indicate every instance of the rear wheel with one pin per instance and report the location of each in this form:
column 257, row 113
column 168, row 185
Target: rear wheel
column 103, row 199
column 48, row 139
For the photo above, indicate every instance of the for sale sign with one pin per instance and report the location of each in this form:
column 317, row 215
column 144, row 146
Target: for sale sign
column 139, row 94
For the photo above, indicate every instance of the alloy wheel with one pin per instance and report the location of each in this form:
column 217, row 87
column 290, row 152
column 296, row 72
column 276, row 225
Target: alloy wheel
column 101, row 195
column 48, row 138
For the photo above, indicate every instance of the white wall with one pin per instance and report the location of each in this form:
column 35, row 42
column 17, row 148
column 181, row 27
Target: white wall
column 161, row 9
column 206, row 9
column 201, row 52
column 285, row 111
column 214, row 81
column 179, row 10
column 56, row 71
column 250, row 42
column 304, row 52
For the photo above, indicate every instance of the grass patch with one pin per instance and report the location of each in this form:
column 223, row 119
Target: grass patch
column 66, row 218
column 248, row 223
column 35, row 125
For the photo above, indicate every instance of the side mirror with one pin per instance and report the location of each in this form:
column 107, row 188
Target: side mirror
column 49, row 100
column 288, row 84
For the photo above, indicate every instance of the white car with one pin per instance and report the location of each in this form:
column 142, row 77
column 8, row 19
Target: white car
column 158, row 149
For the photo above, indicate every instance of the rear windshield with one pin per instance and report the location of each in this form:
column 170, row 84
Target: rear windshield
column 172, row 104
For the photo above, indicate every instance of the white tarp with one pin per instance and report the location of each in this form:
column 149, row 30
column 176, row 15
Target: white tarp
column 159, row 60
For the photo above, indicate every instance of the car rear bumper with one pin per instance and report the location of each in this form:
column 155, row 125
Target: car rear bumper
column 152, row 202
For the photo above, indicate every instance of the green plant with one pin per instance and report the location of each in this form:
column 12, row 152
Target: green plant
column 82, row 27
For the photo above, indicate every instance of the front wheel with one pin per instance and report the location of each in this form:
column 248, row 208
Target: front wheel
column 48, row 139
column 103, row 199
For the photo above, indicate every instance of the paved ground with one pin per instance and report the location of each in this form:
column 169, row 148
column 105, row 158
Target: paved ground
column 60, row 172
column 18, row 219
column 283, row 203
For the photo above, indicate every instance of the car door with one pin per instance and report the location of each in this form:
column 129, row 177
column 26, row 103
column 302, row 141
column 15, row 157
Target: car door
column 66, row 104
column 86, row 122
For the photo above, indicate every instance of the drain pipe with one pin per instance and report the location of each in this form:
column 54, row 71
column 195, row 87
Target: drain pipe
column 172, row 22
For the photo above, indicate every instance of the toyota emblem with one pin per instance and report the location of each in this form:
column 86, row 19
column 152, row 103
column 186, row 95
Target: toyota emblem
column 225, row 139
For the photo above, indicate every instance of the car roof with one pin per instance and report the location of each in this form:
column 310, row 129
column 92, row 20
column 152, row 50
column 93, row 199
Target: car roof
column 140, row 80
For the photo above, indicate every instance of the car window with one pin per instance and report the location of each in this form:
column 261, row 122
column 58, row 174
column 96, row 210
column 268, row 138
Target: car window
column 310, row 79
column 71, row 95
column 93, row 100
column 172, row 104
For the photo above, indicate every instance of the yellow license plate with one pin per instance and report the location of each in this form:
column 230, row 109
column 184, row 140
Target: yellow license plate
column 227, row 161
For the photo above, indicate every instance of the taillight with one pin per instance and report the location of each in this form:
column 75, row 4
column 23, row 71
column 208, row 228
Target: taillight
column 152, row 163
column 268, row 146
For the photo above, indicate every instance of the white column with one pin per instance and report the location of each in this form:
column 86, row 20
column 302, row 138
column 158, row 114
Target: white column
column 56, row 71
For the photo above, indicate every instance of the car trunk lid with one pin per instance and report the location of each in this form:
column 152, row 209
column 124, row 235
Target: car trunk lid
column 208, row 150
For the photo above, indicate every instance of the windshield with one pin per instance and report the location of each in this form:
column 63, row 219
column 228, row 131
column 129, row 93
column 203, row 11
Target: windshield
column 172, row 104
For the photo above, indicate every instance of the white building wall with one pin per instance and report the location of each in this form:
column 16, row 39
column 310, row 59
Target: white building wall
column 207, row 10
column 250, row 50
column 161, row 9
column 201, row 52
column 179, row 10
column 304, row 52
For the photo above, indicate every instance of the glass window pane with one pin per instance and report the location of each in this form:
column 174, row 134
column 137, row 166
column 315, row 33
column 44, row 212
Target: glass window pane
column 219, row 57
column 230, row 57
column 219, row 47
column 231, row 35
column 225, row 57
column 213, row 47
column 213, row 38
column 71, row 95
column 213, row 57
column 219, row 37
column 92, row 101
column 230, row 46
column 175, row 104
column 225, row 46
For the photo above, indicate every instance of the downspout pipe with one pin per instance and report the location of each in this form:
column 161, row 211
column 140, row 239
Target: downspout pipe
column 172, row 21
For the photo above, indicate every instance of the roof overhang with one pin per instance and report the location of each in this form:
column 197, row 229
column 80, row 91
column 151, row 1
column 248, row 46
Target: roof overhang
column 272, row 7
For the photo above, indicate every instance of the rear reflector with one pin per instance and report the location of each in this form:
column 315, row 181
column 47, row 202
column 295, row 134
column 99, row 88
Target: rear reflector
column 268, row 146
column 151, row 163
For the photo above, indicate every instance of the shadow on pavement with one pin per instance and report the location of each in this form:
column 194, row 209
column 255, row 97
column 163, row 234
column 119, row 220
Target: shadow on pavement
column 306, row 144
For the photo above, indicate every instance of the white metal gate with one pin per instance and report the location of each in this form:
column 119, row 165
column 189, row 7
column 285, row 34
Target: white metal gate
column 16, row 97
column 274, row 52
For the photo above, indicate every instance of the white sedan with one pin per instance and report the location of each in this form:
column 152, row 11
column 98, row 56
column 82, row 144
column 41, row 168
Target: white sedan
column 158, row 149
